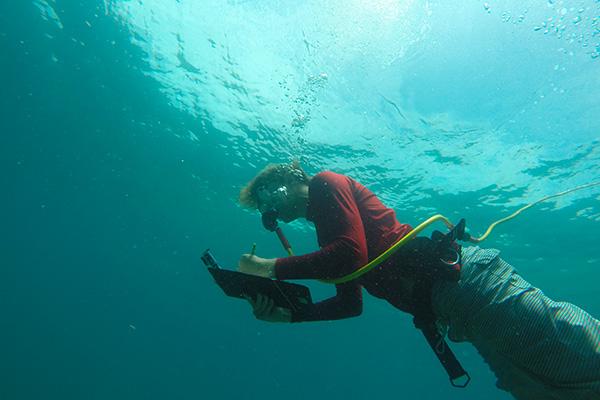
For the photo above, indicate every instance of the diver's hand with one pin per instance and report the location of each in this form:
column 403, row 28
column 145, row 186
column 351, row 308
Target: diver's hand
column 253, row 265
column 265, row 310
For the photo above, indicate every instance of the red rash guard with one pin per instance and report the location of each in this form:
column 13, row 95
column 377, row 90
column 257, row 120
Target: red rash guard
column 353, row 227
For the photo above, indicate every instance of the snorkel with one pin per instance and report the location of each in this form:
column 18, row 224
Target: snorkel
column 269, row 220
column 269, row 202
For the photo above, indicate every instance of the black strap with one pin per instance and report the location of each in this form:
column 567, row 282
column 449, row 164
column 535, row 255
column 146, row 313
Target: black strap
column 424, row 320
column 444, row 353
column 439, row 259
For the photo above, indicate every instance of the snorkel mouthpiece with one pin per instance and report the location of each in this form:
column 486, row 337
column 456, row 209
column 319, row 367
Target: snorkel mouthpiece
column 269, row 219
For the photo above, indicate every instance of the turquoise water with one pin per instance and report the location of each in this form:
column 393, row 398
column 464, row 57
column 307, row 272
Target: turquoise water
column 128, row 128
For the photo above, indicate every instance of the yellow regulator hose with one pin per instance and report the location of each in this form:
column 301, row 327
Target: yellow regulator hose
column 520, row 210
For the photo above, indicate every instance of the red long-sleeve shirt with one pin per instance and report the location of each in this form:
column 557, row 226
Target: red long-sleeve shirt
column 353, row 227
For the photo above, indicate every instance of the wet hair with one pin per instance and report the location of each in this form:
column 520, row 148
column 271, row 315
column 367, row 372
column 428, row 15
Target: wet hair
column 272, row 174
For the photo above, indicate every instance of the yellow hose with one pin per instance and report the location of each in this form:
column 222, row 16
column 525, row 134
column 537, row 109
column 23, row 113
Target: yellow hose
column 388, row 253
column 520, row 210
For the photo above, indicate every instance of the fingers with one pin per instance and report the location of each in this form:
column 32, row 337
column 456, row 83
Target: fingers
column 269, row 306
column 242, row 263
column 263, row 306
column 248, row 257
column 249, row 264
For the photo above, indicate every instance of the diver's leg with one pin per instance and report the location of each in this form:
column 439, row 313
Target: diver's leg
column 554, row 346
column 538, row 348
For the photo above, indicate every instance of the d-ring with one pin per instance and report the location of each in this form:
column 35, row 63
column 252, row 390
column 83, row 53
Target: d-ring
column 452, row 263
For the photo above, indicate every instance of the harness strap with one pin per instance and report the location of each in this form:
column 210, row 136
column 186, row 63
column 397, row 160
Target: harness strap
column 443, row 262
column 447, row 358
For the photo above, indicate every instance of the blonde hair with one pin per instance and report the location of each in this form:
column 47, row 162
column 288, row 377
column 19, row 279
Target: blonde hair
column 272, row 174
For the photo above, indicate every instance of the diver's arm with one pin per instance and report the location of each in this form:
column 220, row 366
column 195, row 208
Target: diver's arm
column 340, row 232
column 337, row 259
column 347, row 303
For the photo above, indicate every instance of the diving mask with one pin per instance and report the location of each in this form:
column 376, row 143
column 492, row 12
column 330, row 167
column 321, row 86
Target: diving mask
column 271, row 198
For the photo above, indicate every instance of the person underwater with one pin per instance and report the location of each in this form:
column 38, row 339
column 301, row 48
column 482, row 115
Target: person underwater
column 537, row 348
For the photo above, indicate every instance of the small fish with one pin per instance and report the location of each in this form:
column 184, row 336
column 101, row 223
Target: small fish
column 132, row 327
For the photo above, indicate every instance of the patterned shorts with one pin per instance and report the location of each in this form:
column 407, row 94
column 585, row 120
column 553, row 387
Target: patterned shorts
column 537, row 348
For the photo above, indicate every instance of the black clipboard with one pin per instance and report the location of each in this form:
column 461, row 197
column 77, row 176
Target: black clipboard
column 237, row 284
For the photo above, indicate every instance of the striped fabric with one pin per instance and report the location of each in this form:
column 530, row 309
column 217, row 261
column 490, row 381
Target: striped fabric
column 537, row 348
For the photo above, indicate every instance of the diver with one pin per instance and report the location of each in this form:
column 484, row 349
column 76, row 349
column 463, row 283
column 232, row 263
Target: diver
column 536, row 347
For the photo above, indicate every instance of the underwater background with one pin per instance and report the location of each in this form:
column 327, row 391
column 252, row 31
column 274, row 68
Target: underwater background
column 128, row 128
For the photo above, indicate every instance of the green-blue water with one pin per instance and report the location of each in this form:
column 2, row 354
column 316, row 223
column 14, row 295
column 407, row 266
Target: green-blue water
column 128, row 128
